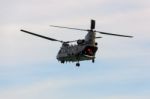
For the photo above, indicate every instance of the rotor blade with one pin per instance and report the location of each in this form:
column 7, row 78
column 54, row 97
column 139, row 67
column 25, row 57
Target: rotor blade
column 70, row 41
column 48, row 38
column 98, row 37
column 69, row 28
column 114, row 34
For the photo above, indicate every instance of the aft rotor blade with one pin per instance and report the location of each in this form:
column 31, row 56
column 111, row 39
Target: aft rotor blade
column 114, row 34
column 98, row 37
column 48, row 38
column 68, row 28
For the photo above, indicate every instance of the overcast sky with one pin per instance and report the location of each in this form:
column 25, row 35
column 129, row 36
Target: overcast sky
column 28, row 65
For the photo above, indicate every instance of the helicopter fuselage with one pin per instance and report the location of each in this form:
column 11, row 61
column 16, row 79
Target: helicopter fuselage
column 84, row 50
column 74, row 53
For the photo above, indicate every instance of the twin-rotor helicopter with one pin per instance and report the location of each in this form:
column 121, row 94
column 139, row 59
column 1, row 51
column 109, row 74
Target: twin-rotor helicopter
column 85, row 49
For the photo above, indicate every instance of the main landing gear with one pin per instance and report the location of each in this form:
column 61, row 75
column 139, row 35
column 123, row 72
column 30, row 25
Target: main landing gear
column 78, row 64
column 93, row 60
column 62, row 61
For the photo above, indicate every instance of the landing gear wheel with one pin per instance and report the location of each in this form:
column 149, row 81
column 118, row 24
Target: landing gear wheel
column 93, row 60
column 62, row 61
column 78, row 64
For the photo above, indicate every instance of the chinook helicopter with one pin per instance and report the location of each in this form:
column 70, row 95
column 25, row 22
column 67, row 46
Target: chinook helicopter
column 85, row 49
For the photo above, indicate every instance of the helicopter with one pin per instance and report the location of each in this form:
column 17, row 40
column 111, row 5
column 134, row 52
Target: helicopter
column 85, row 49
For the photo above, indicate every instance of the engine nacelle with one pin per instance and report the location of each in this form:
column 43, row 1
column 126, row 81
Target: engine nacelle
column 79, row 42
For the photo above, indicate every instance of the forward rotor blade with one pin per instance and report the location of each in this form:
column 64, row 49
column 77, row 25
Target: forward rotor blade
column 70, row 41
column 48, row 38
column 114, row 34
column 69, row 28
